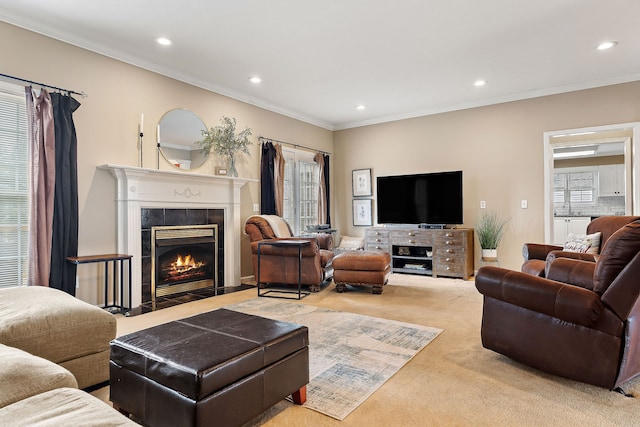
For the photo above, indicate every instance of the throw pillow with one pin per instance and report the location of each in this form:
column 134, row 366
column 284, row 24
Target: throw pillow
column 351, row 243
column 583, row 243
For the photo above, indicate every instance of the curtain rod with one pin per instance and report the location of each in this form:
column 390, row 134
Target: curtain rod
column 264, row 139
column 82, row 94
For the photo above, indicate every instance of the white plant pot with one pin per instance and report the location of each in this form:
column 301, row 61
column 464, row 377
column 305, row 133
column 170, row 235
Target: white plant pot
column 489, row 254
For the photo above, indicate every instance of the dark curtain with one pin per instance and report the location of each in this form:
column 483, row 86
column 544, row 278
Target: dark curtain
column 322, row 190
column 65, row 210
column 326, row 186
column 267, row 184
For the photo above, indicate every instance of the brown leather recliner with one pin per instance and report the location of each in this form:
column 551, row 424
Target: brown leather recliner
column 582, row 322
column 279, row 265
column 537, row 256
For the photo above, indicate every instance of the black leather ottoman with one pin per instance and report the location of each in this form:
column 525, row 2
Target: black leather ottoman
column 219, row 368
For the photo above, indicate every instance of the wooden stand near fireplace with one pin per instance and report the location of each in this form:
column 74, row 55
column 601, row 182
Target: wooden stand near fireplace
column 116, row 304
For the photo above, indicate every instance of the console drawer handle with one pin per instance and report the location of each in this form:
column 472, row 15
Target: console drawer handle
column 449, row 251
column 449, row 235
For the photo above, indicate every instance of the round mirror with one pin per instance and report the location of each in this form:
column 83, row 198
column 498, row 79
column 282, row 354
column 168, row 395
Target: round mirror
column 178, row 131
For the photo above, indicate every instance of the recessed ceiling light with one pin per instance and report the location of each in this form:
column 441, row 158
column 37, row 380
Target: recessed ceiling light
column 164, row 41
column 606, row 45
column 255, row 80
column 360, row 107
column 479, row 83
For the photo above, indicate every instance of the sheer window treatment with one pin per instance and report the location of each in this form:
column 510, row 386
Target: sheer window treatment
column 272, row 182
column 278, row 180
column 54, row 189
column 42, row 184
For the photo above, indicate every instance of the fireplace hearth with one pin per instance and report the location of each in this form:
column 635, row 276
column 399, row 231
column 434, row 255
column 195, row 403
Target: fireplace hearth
column 183, row 259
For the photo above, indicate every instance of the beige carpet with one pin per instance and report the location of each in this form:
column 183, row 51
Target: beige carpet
column 451, row 382
column 350, row 355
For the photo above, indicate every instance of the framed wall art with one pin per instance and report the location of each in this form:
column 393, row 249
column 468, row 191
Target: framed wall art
column 361, row 179
column 362, row 212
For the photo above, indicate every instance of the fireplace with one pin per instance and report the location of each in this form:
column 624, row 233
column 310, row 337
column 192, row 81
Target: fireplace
column 183, row 259
column 167, row 196
column 170, row 236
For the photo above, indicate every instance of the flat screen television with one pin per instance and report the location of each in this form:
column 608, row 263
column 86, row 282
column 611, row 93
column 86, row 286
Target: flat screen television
column 430, row 198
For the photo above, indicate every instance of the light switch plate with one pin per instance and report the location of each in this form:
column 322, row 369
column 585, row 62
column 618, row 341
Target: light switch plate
column 524, row 204
column 256, row 207
column 483, row 204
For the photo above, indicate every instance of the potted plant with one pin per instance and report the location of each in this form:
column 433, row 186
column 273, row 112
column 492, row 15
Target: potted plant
column 490, row 230
column 224, row 140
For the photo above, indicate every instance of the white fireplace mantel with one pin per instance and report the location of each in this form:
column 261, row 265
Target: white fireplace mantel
column 139, row 188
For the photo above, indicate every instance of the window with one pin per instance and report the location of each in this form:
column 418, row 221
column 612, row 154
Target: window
column 575, row 187
column 301, row 188
column 14, row 186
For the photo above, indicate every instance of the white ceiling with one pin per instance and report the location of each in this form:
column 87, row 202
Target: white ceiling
column 318, row 60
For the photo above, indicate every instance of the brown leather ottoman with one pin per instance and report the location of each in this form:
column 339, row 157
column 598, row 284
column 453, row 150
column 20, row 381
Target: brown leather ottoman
column 362, row 268
column 218, row 368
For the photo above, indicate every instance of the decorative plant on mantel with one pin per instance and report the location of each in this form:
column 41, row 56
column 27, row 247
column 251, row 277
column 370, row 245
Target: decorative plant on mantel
column 490, row 228
column 223, row 140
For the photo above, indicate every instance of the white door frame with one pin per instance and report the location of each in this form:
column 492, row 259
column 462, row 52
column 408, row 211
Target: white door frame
column 632, row 168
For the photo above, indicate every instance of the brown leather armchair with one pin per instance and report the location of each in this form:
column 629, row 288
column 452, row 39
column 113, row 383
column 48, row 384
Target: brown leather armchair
column 279, row 265
column 581, row 322
column 537, row 257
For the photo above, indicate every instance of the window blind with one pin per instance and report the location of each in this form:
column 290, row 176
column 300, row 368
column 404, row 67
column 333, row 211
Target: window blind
column 575, row 187
column 14, row 186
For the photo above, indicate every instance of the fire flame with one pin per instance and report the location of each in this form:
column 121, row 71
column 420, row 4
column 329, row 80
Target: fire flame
column 183, row 264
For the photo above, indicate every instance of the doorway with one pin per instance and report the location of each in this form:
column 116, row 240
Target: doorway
column 589, row 172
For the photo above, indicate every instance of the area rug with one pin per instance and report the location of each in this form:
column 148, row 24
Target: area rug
column 350, row 355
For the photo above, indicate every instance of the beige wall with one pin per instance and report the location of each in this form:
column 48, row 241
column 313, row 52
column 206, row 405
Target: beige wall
column 499, row 148
column 106, row 126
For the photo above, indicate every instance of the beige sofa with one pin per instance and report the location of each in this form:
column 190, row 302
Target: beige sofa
column 37, row 392
column 58, row 327
column 50, row 344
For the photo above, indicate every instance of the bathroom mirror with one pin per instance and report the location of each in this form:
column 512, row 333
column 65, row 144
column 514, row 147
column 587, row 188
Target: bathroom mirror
column 177, row 133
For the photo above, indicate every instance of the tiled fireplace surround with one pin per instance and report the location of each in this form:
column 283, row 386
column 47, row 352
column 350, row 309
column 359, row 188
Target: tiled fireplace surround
column 166, row 217
column 149, row 195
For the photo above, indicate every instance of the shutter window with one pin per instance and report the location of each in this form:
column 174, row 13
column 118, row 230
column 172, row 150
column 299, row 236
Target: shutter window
column 14, row 186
